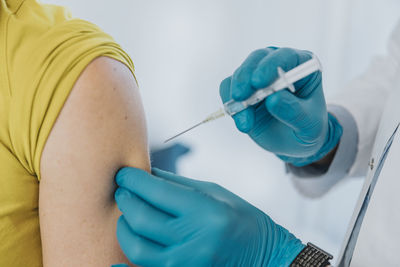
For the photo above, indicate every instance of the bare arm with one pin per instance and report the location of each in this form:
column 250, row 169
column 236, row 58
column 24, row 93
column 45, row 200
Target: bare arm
column 100, row 129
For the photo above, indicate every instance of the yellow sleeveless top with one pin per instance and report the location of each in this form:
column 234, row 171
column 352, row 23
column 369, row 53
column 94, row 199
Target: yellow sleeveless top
column 42, row 52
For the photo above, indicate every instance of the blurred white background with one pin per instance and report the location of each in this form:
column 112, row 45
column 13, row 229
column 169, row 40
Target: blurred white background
column 182, row 49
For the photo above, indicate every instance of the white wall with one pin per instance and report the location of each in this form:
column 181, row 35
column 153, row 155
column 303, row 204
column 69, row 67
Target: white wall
column 183, row 49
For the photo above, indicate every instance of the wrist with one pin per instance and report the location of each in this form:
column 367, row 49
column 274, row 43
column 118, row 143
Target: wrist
column 290, row 252
column 333, row 135
column 285, row 245
column 325, row 162
column 327, row 152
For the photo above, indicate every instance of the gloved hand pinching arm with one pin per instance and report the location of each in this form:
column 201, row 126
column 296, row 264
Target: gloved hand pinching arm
column 296, row 127
column 169, row 220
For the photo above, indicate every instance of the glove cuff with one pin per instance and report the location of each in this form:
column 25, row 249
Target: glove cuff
column 286, row 248
column 333, row 136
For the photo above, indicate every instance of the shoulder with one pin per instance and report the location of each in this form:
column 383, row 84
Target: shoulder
column 103, row 113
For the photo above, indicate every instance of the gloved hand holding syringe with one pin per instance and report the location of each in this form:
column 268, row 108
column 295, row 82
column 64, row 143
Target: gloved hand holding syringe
column 284, row 81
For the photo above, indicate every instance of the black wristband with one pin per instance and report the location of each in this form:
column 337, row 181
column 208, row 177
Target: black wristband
column 312, row 256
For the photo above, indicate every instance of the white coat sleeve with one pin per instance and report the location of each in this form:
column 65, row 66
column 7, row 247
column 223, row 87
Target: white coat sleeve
column 359, row 109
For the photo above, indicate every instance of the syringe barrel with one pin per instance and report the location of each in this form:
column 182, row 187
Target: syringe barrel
column 303, row 70
column 232, row 107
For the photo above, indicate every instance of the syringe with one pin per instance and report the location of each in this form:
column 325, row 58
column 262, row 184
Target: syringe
column 285, row 80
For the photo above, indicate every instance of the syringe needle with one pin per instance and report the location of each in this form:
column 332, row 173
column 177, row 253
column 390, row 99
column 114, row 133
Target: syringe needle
column 185, row 131
column 213, row 116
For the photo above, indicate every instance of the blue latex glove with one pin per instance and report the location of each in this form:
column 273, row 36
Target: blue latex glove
column 296, row 127
column 170, row 220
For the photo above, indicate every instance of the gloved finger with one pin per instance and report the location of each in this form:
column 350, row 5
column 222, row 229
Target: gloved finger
column 208, row 188
column 169, row 197
column 245, row 119
column 145, row 219
column 120, row 265
column 184, row 255
column 199, row 185
column 267, row 70
column 225, row 90
column 309, row 85
column 137, row 249
column 241, row 87
column 289, row 109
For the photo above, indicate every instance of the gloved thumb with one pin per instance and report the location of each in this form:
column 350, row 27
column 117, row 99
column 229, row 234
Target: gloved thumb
column 245, row 119
column 288, row 109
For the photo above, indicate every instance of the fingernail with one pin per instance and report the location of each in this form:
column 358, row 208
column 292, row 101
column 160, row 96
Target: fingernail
column 240, row 91
column 256, row 78
column 122, row 193
column 241, row 121
column 120, row 175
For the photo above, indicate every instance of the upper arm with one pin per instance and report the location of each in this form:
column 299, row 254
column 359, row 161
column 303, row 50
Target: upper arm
column 100, row 129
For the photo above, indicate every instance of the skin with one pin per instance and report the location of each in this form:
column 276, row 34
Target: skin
column 326, row 161
column 100, row 129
